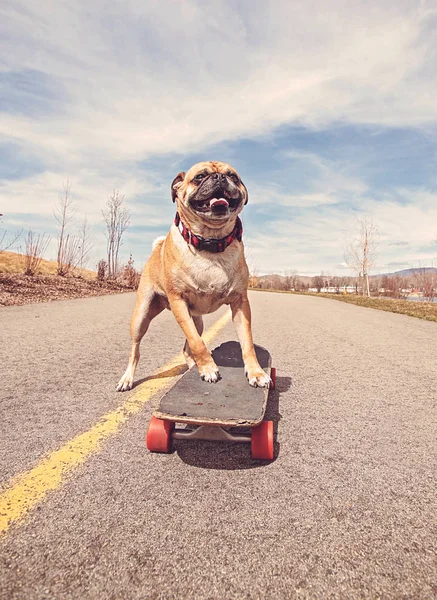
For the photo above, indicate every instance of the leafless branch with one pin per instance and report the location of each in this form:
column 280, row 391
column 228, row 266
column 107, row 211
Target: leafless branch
column 69, row 255
column 64, row 212
column 130, row 277
column 117, row 219
column 102, row 267
column 361, row 252
column 34, row 247
column 426, row 280
column 85, row 244
column 5, row 245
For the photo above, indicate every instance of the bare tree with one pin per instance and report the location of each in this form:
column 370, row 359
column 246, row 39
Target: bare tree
column 288, row 281
column 426, row 281
column 34, row 247
column 5, row 245
column 317, row 282
column 69, row 256
column 253, row 278
column 295, row 281
column 336, row 283
column 117, row 219
column 68, row 246
column 361, row 252
column 130, row 277
column 101, row 269
column 85, row 244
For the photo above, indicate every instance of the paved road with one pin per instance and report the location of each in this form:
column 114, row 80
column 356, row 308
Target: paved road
column 346, row 510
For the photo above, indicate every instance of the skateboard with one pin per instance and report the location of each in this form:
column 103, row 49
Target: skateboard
column 218, row 411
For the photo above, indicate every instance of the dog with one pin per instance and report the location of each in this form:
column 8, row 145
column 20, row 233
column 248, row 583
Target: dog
column 197, row 268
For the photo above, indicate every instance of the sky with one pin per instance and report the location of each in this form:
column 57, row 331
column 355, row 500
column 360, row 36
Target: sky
column 327, row 110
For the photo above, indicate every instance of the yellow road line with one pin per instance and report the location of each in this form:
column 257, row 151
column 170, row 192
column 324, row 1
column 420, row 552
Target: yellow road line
column 27, row 489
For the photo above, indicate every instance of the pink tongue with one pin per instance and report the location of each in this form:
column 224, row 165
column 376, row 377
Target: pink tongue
column 219, row 202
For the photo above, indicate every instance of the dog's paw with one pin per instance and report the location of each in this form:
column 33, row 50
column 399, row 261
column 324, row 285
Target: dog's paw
column 125, row 383
column 210, row 374
column 258, row 378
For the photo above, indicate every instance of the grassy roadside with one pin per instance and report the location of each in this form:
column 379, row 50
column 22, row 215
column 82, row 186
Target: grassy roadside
column 421, row 310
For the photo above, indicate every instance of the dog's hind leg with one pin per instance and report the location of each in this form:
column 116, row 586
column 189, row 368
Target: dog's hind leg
column 198, row 321
column 148, row 306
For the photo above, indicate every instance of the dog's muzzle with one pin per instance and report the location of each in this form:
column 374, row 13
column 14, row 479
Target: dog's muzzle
column 217, row 195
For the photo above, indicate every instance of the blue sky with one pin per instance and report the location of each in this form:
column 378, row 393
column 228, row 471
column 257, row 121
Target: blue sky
column 328, row 112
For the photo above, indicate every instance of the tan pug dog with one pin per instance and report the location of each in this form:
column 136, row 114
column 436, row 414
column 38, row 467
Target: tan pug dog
column 197, row 268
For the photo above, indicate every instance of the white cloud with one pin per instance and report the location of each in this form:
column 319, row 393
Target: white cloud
column 159, row 77
column 90, row 189
column 324, row 182
column 265, row 197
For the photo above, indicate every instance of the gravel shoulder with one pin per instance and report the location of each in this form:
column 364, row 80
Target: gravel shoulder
column 17, row 289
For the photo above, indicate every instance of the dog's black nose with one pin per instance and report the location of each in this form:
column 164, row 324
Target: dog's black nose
column 218, row 176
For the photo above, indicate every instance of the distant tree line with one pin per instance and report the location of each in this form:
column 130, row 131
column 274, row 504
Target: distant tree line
column 422, row 281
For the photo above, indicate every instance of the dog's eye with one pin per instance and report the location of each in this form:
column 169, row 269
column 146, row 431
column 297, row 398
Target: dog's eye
column 199, row 177
column 234, row 177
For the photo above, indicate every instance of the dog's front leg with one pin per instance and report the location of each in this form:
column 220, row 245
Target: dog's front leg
column 208, row 370
column 198, row 322
column 147, row 307
column 241, row 317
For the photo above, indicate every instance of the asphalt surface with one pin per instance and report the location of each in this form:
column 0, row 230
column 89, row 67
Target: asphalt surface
column 346, row 510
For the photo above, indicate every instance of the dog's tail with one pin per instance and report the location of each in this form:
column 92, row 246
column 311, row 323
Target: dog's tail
column 158, row 242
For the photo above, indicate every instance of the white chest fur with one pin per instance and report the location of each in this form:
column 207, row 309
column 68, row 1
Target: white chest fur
column 207, row 279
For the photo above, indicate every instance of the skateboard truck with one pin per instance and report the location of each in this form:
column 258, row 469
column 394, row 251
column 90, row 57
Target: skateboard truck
column 208, row 432
column 161, row 432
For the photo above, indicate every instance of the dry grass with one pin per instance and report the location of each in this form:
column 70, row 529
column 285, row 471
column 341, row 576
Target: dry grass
column 421, row 310
column 10, row 263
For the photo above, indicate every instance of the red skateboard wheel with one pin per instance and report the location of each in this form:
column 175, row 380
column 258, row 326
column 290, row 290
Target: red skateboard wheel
column 262, row 441
column 158, row 438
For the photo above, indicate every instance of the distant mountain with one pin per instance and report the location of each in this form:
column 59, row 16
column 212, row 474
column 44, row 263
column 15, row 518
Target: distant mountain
column 408, row 272
column 275, row 279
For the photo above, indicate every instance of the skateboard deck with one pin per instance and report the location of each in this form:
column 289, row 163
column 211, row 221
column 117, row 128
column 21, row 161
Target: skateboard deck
column 229, row 402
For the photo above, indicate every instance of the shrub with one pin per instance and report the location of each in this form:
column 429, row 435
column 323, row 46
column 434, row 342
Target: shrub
column 101, row 270
column 129, row 275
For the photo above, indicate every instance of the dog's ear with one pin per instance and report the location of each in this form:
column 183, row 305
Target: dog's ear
column 247, row 195
column 174, row 186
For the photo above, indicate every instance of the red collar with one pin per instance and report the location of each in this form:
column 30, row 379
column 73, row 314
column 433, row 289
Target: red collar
column 209, row 244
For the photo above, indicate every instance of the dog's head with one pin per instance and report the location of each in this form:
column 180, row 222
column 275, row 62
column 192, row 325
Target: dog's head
column 211, row 192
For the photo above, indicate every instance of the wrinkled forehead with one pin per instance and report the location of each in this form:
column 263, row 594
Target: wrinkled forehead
column 208, row 167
